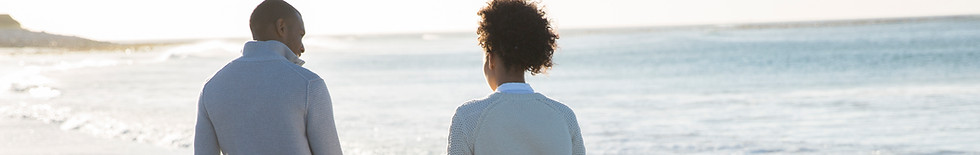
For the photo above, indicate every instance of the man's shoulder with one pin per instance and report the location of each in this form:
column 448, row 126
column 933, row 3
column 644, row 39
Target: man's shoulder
column 238, row 70
column 302, row 71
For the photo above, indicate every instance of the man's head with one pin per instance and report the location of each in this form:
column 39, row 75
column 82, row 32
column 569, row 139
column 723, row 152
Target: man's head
column 516, row 37
column 277, row 20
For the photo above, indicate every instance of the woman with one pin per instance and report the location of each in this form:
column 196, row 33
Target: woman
column 516, row 38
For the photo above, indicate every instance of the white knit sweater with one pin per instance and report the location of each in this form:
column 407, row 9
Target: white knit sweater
column 516, row 124
column 265, row 103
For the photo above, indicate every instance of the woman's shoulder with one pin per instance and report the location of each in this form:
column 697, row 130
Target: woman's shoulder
column 559, row 107
column 475, row 106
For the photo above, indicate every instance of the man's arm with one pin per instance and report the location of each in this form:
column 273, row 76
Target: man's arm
column 205, row 139
column 320, row 128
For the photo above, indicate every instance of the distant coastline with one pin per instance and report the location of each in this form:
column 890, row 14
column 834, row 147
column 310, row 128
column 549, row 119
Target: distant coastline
column 16, row 37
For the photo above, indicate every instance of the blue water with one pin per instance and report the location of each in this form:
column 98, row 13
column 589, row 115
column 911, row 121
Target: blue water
column 892, row 88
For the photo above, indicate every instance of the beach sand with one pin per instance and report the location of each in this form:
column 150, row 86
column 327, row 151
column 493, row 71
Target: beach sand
column 36, row 137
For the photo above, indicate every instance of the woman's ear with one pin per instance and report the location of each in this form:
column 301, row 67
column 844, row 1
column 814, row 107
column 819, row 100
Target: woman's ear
column 490, row 60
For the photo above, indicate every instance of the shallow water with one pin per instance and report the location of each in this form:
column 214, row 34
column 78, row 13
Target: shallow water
column 905, row 88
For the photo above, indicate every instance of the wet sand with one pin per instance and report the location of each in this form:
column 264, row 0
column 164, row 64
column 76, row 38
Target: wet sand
column 36, row 137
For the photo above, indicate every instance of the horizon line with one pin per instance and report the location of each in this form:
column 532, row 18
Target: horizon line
column 762, row 24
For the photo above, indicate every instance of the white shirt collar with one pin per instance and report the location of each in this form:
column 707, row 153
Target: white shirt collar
column 270, row 48
column 515, row 88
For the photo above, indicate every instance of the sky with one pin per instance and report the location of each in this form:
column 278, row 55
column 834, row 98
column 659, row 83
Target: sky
column 122, row 20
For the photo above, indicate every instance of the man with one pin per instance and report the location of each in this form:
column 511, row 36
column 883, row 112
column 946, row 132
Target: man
column 263, row 102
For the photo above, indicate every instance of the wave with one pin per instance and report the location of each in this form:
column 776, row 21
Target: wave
column 203, row 49
column 29, row 79
column 98, row 125
column 815, row 93
column 27, row 93
column 329, row 43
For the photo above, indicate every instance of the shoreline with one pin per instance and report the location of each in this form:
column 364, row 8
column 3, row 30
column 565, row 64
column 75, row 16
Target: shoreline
column 23, row 136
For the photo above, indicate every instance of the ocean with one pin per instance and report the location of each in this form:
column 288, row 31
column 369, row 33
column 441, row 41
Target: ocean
column 861, row 88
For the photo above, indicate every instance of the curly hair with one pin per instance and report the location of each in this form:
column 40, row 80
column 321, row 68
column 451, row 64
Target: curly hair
column 518, row 32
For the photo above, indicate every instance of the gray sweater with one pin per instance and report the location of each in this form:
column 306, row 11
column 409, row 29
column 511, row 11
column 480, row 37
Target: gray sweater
column 265, row 103
column 517, row 124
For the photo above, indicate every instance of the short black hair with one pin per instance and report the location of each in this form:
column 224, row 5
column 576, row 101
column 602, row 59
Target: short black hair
column 518, row 32
column 267, row 12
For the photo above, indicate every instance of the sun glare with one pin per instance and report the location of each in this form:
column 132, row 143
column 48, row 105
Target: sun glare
column 118, row 20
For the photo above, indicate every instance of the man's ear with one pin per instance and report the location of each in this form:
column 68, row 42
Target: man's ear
column 281, row 28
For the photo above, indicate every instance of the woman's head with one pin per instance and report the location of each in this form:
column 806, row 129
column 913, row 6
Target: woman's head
column 517, row 33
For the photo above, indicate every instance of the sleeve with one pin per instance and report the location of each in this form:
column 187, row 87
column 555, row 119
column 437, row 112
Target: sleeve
column 320, row 128
column 578, row 147
column 205, row 139
column 457, row 138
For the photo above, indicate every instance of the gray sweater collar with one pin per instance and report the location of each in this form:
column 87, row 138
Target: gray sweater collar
column 271, row 49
